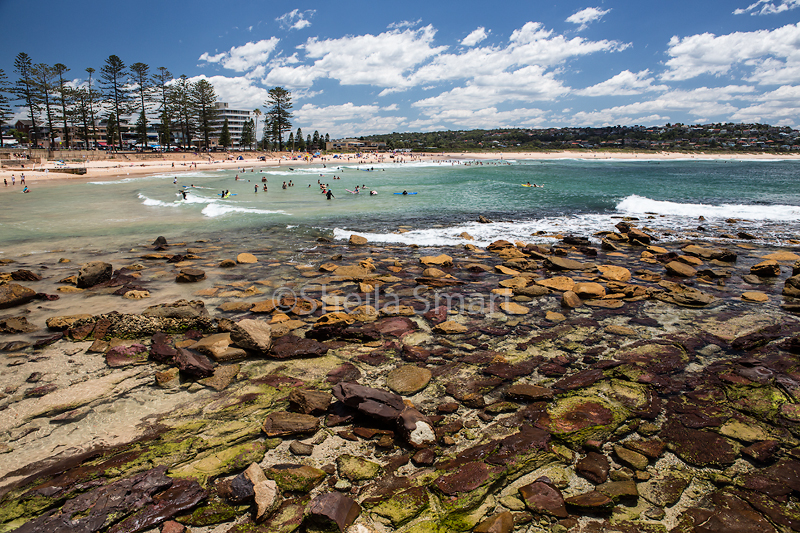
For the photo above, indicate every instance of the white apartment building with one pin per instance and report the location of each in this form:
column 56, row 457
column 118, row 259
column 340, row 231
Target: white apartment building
column 236, row 119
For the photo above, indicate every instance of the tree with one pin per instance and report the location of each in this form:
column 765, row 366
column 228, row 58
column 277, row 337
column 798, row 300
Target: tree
column 248, row 135
column 5, row 108
column 203, row 97
column 43, row 75
column 63, row 94
column 301, row 144
column 279, row 102
column 141, row 75
column 25, row 90
column 308, row 142
column 114, row 76
column 225, row 134
column 290, row 142
column 180, row 98
column 257, row 113
column 111, row 127
column 162, row 79
column 82, row 111
column 91, row 95
column 327, row 140
column 315, row 140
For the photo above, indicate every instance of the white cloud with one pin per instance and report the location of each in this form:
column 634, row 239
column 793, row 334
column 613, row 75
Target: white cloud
column 702, row 101
column 625, row 83
column 487, row 117
column 295, row 19
column 586, row 16
column 475, row 37
column 346, row 119
column 768, row 7
column 779, row 107
column 239, row 92
column 764, row 55
column 245, row 57
column 404, row 24
column 381, row 60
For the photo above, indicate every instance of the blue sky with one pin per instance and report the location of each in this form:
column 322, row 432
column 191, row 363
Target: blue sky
column 370, row 67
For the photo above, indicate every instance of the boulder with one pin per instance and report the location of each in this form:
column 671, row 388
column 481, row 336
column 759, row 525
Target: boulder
column 358, row 240
column 25, row 275
column 93, row 273
column 14, row 294
column 333, row 508
column 570, row 299
column 614, row 273
column 790, row 288
column 589, row 290
column 255, row 335
column 680, row 269
column 442, row 260
column 766, row 269
column 194, row 364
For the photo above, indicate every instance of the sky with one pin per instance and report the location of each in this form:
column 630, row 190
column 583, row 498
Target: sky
column 360, row 68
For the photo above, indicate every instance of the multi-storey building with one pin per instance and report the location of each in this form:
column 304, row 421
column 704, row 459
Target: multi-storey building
column 236, row 120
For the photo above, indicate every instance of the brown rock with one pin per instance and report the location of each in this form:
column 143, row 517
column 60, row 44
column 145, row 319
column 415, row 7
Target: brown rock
column 333, row 508
column 512, row 308
column 570, row 299
column 557, row 283
column 543, row 498
column 499, row 523
column 591, row 501
column 526, row 392
column 246, row 258
column 614, row 273
column 190, row 275
column 450, row 327
column 766, row 269
column 631, row 458
column 619, row 490
column 310, row 402
column 588, row 291
column 594, row 467
column 677, row 268
column 408, row 380
column 93, row 273
column 293, row 347
column 252, row 334
column 442, row 260
column 562, row 263
column 14, row 294
column 283, row 424
column 358, row 240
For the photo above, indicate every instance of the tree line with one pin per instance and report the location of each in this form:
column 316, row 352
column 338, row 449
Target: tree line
column 56, row 106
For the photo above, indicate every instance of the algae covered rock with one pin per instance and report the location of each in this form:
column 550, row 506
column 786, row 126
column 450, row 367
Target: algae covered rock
column 356, row 468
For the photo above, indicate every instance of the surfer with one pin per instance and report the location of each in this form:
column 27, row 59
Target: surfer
column 529, row 184
column 405, row 193
column 183, row 192
column 329, row 194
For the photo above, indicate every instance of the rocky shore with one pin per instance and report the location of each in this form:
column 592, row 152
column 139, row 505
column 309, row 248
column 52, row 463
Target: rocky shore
column 618, row 384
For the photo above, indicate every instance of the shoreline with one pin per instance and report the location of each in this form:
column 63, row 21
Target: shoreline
column 178, row 162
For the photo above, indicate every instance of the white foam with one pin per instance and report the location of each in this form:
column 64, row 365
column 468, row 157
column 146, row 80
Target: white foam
column 215, row 209
column 640, row 205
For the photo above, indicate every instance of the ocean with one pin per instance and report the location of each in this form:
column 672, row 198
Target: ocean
column 577, row 197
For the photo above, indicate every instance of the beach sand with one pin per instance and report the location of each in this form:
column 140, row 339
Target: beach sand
column 185, row 162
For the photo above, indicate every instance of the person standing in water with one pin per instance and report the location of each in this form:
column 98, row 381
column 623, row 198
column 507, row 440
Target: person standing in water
column 329, row 194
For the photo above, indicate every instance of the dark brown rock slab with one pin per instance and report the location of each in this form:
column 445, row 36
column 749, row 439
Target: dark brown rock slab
column 310, row 402
column 529, row 393
column 542, row 497
column 377, row 403
column 499, row 523
column 594, row 467
column 333, row 508
column 467, row 478
column 183, row 495
column 698, row 447
column 190, row 275
column 193, row 363
column 293, row 347
column 25, row 275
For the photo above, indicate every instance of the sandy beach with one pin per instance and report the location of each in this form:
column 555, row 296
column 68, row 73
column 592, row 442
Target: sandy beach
column 177, row 162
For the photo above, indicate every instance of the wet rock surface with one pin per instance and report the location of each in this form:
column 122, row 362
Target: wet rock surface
column 630, row 387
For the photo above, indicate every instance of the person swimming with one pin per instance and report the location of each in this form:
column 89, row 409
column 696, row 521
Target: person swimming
column 405, row 193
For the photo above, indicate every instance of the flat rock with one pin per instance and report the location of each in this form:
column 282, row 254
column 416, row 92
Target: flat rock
column 527, row 392
column 589, row 290
column 755, row 296
column 190, row 275
column 614, row 273
column 408, row 380
column 246, row 258
column 295, row 478
column 766, row 269
column 512, row 308
column 442, row 260
column 594, row 467
column 358, row 240
column 562, row 263
column 292, row 347
column 631, row 458
column 450, row 327
column 591, row 501
column 680, row 269
column 310, row 402
column 356, row 468
column 284, row 424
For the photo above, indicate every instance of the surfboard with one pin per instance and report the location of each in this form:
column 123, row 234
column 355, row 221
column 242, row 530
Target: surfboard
column 353, row 192
column 407, row 194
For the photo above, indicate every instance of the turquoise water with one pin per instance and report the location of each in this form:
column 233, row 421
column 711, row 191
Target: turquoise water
column 579, row 197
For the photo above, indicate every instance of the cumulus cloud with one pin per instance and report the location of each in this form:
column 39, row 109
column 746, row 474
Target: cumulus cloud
column 240, row 92
column 296, row 19
column 381, row 60
column 245, row 57
column 586, row 16
column 780, row 107
column 765, row 56
column 347, row 119
column 404, row 24
column 623, row 84
column 768, row 7
column 699, row 102
column 475, row 37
